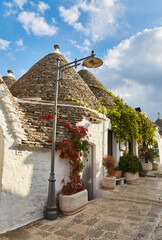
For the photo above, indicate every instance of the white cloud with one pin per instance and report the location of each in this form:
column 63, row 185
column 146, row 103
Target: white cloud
column 20, row 3
column 4, row 44
column 42, row 7
column 36, row 24
column 19, row 42
column 84, row 47
column 102, row 19
column 70, row 15
column 133, row 70
column 8, row 4
column 10, row 10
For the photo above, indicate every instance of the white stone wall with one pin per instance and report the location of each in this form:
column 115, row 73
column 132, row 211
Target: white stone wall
column 159, row 140
column 24, row 182
column 25, row 173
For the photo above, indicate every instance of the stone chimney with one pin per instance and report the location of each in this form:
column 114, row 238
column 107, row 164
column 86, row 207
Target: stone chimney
column 9, row 79
column 158, row 115
column 10, row 73
column 56, row 48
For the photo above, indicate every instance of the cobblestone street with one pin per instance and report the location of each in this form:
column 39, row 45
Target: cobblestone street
column 130, row 212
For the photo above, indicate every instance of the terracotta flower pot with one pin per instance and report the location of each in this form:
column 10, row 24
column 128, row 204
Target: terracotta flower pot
column 118, row 174
column 71, row 204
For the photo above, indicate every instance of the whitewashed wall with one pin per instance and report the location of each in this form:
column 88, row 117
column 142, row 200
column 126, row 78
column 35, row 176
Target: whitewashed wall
column 159, row 140
column 25, row 173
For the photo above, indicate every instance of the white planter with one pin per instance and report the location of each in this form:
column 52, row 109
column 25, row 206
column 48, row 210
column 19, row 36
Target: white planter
column 131, row 177
column 155, row 166
column 109, row 182
column 71, row 204
column 147, row 166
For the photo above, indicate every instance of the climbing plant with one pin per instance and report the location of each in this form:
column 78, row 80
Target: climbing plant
column 72, row 150
column 127, row 122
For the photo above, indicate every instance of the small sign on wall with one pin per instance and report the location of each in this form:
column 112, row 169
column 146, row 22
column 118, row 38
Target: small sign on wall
column 19, row 152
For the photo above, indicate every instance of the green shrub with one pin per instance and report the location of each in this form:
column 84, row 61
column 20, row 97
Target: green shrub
column 130, row 163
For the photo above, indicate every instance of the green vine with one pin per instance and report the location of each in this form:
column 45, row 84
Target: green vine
column 126, row 122
column 103, row 89
column 85, row 104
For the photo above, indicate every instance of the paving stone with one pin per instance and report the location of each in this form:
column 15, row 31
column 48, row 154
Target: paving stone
column 17, row 234
column 107, row 225
column 142, row 236
column 91, row 221
column 64, row 233
column 146, row 227
column 129, row 230
column 158, row 231
column 134, row 218
column 114, row 236
column 76, row 221
column 43, row 234
column 79, row 236
column 95, row 233
column 78, row 228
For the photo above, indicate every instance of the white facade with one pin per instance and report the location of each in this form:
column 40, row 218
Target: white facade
column 24, row 172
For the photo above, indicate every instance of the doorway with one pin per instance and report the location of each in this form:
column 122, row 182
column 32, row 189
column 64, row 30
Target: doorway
column 110, row 142
column 87, row 175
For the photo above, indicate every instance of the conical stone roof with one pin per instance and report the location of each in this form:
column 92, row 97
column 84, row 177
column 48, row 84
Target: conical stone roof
column 97, row 88
column 39, row 82
column 9, row 79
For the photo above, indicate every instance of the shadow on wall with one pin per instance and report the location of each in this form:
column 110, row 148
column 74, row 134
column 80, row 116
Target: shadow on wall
column 24, row 192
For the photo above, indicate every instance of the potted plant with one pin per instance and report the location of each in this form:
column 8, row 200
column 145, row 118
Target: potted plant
column 109, row 181
column 74, row 196
column 148, row 154
column 108, row 161
column 118, row 172
column 131, row 166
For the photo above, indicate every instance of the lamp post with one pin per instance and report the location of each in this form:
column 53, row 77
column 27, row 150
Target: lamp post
column 50, row 212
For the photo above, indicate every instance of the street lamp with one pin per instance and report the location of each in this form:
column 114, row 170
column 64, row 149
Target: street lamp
column 50, row 212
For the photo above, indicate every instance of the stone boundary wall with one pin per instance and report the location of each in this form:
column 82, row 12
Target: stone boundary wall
column 39, row 131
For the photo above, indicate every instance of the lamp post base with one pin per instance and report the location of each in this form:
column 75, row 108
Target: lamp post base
column 50, row 214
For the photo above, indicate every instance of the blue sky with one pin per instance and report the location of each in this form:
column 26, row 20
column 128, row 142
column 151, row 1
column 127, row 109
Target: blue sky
column 126, row 34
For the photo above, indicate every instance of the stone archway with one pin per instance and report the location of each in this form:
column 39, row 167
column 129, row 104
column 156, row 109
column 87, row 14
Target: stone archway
column 1, row 156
